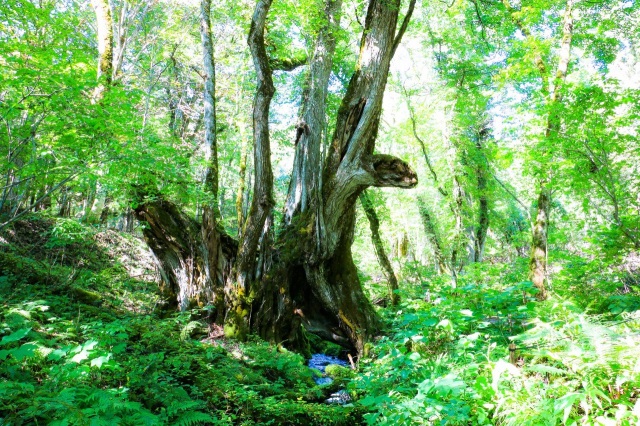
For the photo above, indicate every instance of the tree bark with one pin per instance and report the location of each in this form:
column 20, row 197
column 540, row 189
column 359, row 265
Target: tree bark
column 432, row 236
column 242, row 179
column 216, row 244
column 183, row 254
column 551, row 89
column 483, row 218
column 239, row 292
column 105, row 46
column 538, row 259
column 305, row 177
column 317, row 283
column 210, row 140
column 307, row 276
column 381, row 254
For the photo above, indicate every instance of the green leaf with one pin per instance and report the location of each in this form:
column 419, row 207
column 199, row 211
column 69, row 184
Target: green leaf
column 14, row 337
column 565, row 403
column 58, row 354
column 27, row 350
column 545, row 369
column 99, row 361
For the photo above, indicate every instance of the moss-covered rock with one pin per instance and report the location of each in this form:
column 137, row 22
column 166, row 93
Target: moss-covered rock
column 338, row 372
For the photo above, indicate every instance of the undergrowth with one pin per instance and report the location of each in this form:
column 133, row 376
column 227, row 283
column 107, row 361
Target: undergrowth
column 87, row 339
column 85, row 343
column 488, row 353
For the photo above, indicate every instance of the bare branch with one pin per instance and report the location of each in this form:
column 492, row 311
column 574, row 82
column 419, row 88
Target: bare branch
column 403, row 27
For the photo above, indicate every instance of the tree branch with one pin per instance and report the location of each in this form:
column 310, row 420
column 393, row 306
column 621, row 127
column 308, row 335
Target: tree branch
column 403, row 27
column 288, row 64
column 542, row 68
column 36, row 202
column 412, row 117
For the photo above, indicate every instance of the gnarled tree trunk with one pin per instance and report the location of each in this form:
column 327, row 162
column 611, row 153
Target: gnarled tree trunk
column 317, row 282
column 182, row 252
column 307, row 276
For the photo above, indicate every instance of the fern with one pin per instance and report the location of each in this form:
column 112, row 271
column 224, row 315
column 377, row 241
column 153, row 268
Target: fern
column 177, row 407
column 144, row 417
column 188, row 329
column 193, row 418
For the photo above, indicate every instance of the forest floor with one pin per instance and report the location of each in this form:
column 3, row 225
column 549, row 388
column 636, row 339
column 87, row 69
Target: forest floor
column 86, row 339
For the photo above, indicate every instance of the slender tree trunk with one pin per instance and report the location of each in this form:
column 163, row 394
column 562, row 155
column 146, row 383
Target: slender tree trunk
column 214, row 238
column 104, row 214
column 540, row 231
column 65, row 203
column 538, row 259
column 432, row 236
column 242, row 179
column 381, row 254
column 483, row 222
column 403, row 246
column 210, row 140
column 483, row 218
column 105, row 46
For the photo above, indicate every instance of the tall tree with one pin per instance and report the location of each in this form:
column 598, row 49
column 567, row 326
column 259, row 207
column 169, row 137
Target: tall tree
column 551, row 89
column 105, row 45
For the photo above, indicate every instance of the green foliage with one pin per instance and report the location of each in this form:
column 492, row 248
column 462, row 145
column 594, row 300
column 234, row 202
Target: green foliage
column 338, row 372
column 448, row 361
column 64, row 360
column 66, row 232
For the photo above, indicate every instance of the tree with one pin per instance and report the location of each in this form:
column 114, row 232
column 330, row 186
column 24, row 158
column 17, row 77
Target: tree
column 456, row 219
column 310, row 277
column 551, row 90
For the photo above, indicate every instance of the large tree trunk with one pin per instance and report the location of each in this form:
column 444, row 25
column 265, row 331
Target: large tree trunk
column 305, row 176
column 307, row 277
column 184, row 255
column 315, row 282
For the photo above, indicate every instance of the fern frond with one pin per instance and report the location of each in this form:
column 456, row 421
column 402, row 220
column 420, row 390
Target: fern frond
column 177, row 407
column 193, row 418
column 144, row 418
column 187, row 329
